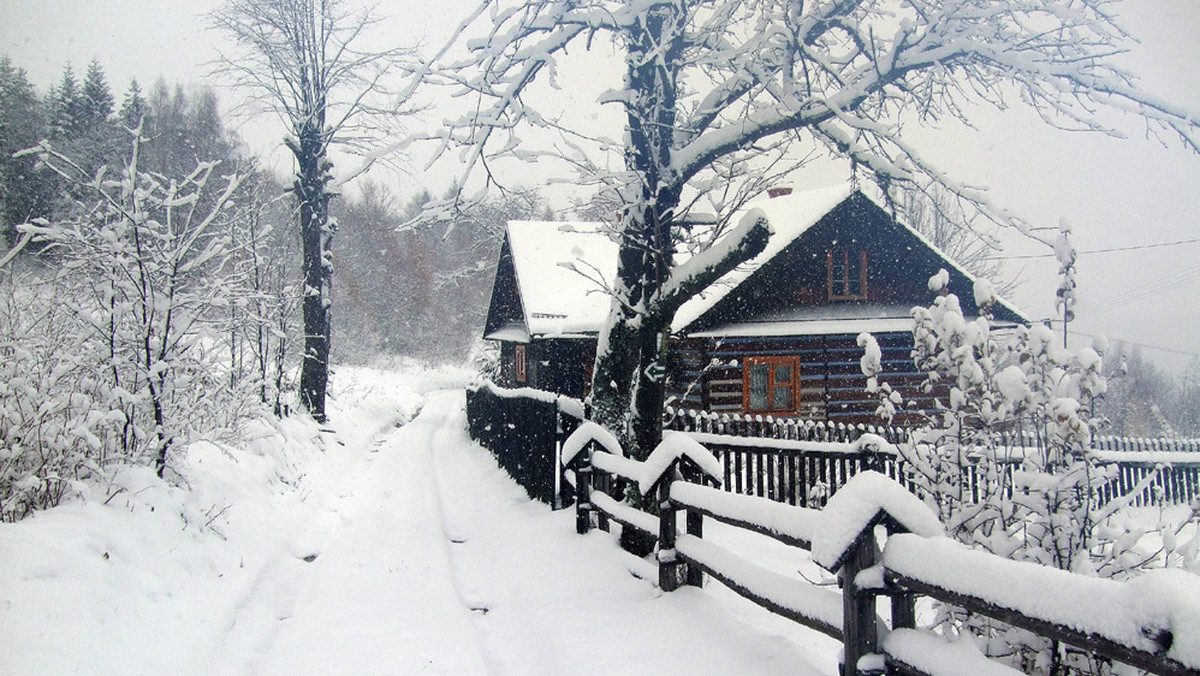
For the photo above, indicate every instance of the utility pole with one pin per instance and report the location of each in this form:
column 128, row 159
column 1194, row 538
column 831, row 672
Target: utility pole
column 1066, row 255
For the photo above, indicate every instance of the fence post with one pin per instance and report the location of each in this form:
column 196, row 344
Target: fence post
column 903, row 604
column 583, row 490
column 668, row 560
column 858, row 605
column 694, row 576
column 556, row 454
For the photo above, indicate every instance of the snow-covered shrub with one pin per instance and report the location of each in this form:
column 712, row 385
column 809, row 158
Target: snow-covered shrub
column 124, row 345
column 1004, row 458
column 55, row 425
column 484, row 359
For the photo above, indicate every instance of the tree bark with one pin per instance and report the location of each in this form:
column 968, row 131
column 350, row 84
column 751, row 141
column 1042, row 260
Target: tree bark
column 653, row 60
column 313, row 195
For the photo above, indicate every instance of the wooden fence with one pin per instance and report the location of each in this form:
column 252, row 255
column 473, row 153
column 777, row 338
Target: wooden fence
column 842, row 537
column 805, row 474
column 523, row 429
column 799, row 463
column 769, row 427
column 802, row 462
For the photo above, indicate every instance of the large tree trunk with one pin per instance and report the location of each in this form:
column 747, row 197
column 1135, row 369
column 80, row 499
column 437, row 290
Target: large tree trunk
column 627, row 385
column 653, row 57
column 312, row 193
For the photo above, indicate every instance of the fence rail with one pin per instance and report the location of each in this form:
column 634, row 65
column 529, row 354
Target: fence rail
column 915, row 561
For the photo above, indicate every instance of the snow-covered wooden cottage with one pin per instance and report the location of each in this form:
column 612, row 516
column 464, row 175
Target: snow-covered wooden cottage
column 776, row 336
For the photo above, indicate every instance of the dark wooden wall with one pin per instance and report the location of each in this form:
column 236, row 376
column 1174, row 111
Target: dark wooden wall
column 706, row 374
column 559, row 365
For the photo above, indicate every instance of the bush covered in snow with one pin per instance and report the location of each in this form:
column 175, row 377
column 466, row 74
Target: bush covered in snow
column 142, row 331
column 1005, row 459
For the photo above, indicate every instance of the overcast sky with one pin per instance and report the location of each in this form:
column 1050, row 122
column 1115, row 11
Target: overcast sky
column 1116, row 193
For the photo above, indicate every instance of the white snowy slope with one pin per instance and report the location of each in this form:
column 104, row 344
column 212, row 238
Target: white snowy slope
column 371, row 549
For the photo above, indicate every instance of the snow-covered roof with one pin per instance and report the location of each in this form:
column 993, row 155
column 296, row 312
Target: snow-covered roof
column 511, row 333
column 790, row 216
column 559, row 268
column 563, row 270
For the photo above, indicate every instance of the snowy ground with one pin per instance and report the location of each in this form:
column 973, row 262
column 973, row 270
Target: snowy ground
column 377, row 548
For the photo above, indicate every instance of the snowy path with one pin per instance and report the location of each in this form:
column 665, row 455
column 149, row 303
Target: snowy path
column 442, row 565
column 374, row 550
column 379, row 596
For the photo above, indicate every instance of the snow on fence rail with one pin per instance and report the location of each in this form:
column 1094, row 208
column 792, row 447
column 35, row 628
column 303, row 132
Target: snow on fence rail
column 1152, row 622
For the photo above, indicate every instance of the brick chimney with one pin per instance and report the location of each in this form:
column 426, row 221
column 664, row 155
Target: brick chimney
column 778, row 191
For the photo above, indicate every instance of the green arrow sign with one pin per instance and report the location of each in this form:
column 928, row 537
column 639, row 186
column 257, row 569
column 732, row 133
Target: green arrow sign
column 655, row 371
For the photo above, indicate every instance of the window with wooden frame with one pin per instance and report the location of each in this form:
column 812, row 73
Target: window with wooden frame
column 847, row 274
column 771, row 384
column 519, row 368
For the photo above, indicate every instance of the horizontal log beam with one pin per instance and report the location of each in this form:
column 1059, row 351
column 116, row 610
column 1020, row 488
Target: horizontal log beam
column 1157, row 663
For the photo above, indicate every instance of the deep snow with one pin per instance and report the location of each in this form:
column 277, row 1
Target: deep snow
column 367, row 548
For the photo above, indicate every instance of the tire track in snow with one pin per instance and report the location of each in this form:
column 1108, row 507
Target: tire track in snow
column 265, row 604
column 454, row 536
column 381, row 597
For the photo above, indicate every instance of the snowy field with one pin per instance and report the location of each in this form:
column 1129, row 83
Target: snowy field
column 388, row 544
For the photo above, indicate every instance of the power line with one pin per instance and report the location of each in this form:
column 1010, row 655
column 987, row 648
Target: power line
column 1130, row 342
column 1135, row 247
column 1151, row 288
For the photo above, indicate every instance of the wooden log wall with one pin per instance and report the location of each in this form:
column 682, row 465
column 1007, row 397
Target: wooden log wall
column 707, row 374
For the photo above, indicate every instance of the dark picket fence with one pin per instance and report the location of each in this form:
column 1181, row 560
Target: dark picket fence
column 790, row 461
column 802, row 462
column 794, row 473
column 523, row 430
column 769, row 427
column 805, row 474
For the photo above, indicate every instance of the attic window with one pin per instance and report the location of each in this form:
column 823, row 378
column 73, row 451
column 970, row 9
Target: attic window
column 847, row 274
column 769, row 384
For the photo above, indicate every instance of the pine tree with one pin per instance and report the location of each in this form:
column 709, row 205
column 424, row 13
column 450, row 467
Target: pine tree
column 24, row 191
column 66, row 106
column 96, row 100
column 133, row 107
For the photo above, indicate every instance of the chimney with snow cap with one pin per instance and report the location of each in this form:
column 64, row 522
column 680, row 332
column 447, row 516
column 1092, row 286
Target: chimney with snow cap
column 779, row 191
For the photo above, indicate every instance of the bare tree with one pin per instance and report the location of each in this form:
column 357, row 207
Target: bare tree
column 300, row 56
column 722, row 91
column 936, row 215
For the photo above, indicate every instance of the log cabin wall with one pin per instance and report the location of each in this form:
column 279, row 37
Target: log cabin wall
column 711, row 374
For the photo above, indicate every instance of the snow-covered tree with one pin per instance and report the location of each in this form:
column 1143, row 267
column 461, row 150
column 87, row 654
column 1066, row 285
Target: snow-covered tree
column 1005, row 456
column 95, row 96
column 722, row 97
column 1065, row 299
column 144, row 262
column 25, row 193
column 301, row 58
column 65, row 105
column 262, row 317
column 133, row 106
